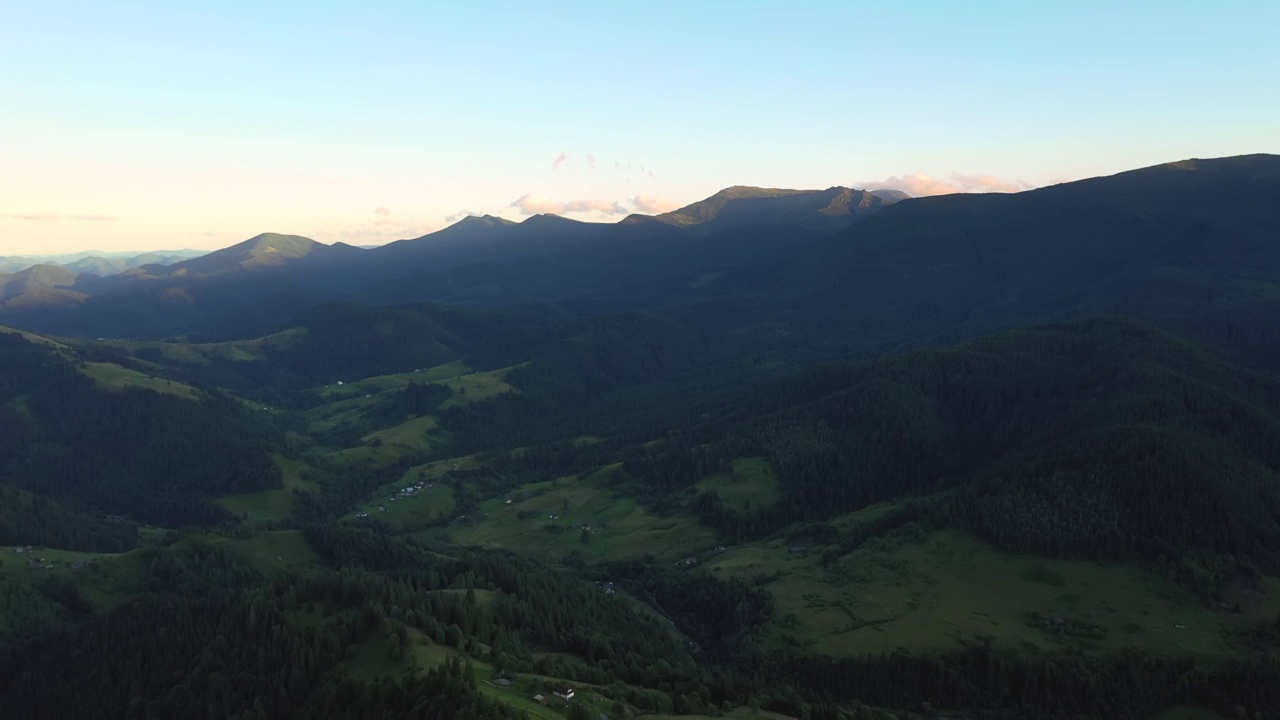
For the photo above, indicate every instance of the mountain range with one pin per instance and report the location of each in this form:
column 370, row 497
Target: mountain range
column 829, row 454
column 1186, row 245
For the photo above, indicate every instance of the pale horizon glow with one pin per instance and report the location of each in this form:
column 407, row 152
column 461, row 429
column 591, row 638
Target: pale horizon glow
column 146, row 126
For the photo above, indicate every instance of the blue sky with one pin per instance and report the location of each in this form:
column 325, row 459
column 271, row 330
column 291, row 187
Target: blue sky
column 149, row 125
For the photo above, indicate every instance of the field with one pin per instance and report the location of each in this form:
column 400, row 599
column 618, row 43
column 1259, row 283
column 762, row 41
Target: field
column 379, row 383
column 617, row 527
column 372, row 661
column 946, row 590
column 750, row 484
column 476, row 387
column 117, row 377
column 269, row 505
column 349, row 411
column 203, row 353
column 103, row 578
column 276, row 551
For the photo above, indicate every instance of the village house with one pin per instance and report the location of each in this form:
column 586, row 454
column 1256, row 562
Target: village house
column 540, row 699
column 564, row 693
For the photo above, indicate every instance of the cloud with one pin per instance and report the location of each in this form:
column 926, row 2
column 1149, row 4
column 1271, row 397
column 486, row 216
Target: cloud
column 561, row 159
column 451, row 219
column 52, row 217
column 537, row 205
column 921, row 185
column 591, row 161
column 653, row 206
column 389, row 225
column 384, row 230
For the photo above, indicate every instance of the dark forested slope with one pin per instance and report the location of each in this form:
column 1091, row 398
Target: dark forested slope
column 1192, row 245
column 1102, row 439
column 149, row 455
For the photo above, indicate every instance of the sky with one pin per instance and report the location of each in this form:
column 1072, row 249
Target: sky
column 165, row 125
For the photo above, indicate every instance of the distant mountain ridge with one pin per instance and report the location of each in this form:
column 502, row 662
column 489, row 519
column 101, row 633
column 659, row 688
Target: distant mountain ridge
column 97, row 262
column 840, row 270
column 832, row 209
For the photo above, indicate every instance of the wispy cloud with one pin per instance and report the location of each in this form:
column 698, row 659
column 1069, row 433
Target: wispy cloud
column 451, row 219
column 52, row 217
column 537, row 205
column 921, row 185
column 388, row 225
column 591, row 161
column 650, row 205
column 561, row 159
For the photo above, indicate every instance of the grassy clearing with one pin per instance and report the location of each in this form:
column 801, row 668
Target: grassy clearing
column 400, row 511
column 32, row 337
column 385, row 446
column 476, row 387
column 619, row 528
column 272, row 505
column 949, row 589
column 371, row 661
column 342, row 412
column 277, row 551
column 119, row 378
column 103, row 578
column 204, row 353
column 380, row 383
column 751, row 483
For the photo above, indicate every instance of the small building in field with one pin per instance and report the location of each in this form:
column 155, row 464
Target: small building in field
column 540, row 699
column 564, row 693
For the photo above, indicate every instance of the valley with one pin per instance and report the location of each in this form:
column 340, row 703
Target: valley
column 809, row 482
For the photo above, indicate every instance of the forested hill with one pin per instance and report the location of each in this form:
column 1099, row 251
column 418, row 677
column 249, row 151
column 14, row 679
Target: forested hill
column 1189, row 245
column 109, row 440
column 1102, row 439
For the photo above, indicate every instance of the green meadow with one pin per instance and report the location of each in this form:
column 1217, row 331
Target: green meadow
column 946, row 590
column 596, row 522
column 270, row 505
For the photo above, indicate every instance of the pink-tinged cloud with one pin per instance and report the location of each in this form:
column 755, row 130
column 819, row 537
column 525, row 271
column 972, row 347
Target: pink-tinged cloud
column 920, row 185
column 52, row 217
column 653, row 206
column 538, row 205
column 561, row 159
column 591, row 161
column 382, row 210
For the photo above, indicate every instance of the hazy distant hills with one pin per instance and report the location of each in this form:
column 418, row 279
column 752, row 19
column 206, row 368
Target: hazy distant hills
column 478, row 260
column 97, row 263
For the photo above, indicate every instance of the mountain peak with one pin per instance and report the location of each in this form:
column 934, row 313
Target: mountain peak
column 481, row 222
column 549, row 220
column 260, row 251
column 270, row 243
column 831, row 209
